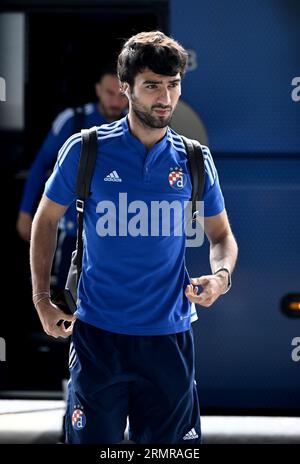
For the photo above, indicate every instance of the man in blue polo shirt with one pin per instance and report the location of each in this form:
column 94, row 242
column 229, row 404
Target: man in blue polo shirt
column 132, row 350
column 110, row 106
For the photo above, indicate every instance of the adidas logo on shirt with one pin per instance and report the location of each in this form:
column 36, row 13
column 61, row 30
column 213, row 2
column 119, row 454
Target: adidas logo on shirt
column 113, row 177
column 191, row 435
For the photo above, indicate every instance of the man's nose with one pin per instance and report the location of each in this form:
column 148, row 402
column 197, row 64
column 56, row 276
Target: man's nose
column 164, row 97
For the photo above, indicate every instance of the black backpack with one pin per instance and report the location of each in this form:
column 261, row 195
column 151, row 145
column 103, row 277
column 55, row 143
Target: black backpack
column 88, row 155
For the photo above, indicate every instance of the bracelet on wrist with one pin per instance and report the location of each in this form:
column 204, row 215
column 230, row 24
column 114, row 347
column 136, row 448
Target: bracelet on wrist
column 45, row 297
column 39, row 294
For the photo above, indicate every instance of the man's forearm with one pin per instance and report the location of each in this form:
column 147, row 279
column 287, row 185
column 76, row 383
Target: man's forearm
column 223, row 253
column 42, row 249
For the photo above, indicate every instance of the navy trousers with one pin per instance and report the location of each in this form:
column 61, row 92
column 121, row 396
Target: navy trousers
column 150, row 379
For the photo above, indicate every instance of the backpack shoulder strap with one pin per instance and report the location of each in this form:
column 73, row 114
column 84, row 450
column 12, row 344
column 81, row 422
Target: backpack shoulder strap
column 88, row 156
column 196, row 164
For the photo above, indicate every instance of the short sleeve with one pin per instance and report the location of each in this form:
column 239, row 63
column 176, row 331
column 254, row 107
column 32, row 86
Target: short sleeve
column 61, row 185
column 212, row 193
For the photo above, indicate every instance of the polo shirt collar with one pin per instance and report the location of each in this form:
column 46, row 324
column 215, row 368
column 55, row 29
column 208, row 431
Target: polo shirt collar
column 138, row 145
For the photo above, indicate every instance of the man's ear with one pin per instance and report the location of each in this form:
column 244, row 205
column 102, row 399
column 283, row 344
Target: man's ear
column 124, row 88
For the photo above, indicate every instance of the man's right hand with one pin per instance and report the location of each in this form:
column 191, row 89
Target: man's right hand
column 24, row 225
column 50, row 315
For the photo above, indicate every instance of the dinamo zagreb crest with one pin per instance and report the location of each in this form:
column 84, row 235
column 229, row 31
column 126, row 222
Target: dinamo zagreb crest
column 177, row 178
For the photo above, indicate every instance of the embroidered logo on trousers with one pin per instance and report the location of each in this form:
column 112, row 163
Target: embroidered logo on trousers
column 78, row 418
column 191, row 435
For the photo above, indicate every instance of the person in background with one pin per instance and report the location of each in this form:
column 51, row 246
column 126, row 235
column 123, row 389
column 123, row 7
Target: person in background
column 110, row 106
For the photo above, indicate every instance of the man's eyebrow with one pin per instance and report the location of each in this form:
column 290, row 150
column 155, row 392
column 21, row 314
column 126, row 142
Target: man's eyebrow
column 160, row 82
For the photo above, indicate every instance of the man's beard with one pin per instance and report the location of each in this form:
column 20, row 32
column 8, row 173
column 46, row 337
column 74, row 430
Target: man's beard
column 147, row 119
column 110, row 112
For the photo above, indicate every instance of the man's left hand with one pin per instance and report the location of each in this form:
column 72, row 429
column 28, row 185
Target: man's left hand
column 213, row 286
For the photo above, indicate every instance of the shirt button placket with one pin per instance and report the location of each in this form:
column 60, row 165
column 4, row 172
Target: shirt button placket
column 146, row 173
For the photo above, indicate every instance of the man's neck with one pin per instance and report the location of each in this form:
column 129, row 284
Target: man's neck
column 147, row 136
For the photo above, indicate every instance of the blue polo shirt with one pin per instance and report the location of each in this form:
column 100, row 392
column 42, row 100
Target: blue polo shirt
column 134, row 275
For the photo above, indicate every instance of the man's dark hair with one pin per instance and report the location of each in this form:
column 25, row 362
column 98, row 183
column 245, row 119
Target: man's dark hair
column 109, row 68
column 153, row 50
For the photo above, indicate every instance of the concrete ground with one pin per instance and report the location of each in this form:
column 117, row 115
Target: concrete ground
column 40, row 421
